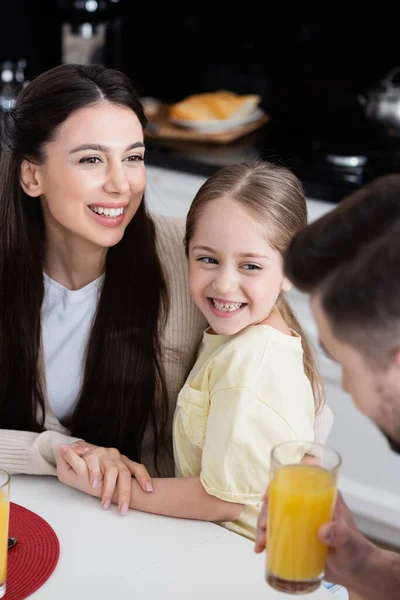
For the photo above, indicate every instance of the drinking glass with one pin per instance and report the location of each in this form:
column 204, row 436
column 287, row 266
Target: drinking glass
column 301, row 498
column 4, row 519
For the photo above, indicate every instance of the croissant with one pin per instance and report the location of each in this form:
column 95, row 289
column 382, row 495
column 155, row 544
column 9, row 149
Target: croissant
column 209, row 106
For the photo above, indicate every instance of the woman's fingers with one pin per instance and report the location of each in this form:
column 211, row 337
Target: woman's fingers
column 94, row 466
column 110, row 470
column 110, row 476
column 80, row 448
column 124, row 488
column 74, row 461
column 140, row 473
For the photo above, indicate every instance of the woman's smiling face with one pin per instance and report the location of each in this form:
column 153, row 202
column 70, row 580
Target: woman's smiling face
column 93, row 177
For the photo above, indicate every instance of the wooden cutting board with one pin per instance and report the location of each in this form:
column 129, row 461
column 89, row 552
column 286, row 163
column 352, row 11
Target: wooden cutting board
column 160, row 127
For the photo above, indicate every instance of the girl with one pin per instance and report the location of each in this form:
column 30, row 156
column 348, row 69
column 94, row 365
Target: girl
column 254, row 383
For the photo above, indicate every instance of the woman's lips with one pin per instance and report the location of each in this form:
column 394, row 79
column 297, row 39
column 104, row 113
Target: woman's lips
column 107, row 221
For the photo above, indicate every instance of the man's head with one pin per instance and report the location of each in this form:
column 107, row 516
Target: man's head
column 349, row 261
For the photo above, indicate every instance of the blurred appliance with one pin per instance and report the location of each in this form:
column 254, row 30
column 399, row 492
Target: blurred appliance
column 12, row 78
column 91, row 32
column 382, row 104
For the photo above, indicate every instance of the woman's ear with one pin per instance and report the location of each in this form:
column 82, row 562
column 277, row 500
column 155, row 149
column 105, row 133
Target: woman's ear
column 286, row 285
column 30, row 178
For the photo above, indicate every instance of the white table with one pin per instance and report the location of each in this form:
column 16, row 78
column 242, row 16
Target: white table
column 140, row 556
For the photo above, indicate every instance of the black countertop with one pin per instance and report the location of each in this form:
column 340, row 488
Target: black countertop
column 304, row 151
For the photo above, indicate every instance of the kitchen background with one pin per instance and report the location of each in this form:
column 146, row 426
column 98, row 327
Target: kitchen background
column 310, row 76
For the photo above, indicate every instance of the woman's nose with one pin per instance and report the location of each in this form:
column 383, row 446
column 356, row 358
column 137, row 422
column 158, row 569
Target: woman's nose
column 116, row 181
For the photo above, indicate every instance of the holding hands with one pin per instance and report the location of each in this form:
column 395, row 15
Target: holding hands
column 101, row 472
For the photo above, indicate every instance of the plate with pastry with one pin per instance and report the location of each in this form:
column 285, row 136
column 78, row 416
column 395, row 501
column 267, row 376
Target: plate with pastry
column 216, row 112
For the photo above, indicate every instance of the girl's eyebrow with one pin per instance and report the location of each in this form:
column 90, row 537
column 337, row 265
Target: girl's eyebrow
column 101, row 148
column 205, row 248
column 241, row 255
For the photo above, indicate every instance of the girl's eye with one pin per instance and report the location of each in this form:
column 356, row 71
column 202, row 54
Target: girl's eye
column 135, row 158
column 251, row 267
column 208, row 260
column 91, row 160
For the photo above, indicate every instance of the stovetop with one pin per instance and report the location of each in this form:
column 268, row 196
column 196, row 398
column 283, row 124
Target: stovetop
column 331, row 161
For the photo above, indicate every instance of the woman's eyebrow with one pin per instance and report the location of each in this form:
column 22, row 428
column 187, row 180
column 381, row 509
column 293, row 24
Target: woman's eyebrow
column 102, row 148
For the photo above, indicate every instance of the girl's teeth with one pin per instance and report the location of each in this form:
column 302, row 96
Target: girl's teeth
column 108, row 212
column 227, row 307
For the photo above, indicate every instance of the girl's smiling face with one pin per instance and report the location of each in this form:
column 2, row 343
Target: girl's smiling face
column 236, row 276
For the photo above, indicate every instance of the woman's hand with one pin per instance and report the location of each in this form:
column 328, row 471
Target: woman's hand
column 72, row 470
column 109, row 471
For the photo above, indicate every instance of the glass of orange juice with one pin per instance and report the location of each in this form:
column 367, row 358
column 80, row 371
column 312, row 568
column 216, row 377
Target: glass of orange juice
column 4, row 517
column 301, row 498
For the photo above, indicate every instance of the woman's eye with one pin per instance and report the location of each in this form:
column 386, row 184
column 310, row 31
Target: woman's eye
column 91, row 160
column 251, row 267
column 208, row 260
column 135, row 158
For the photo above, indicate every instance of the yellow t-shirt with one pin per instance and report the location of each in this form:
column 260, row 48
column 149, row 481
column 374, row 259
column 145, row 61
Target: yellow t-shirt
column 244, row 394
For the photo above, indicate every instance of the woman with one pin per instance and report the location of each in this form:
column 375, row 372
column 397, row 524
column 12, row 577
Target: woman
column 87, row 278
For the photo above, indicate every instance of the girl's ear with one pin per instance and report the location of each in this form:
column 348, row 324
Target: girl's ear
column 30, row 178
column 286, row 285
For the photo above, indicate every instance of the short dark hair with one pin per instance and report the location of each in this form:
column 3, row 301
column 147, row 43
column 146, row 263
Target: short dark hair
column 351, row 255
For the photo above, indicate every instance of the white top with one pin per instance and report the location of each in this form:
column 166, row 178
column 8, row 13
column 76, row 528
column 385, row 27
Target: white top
column 141, row 556
column 67, row 317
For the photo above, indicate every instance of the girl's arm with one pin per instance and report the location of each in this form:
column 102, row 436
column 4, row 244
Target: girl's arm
column 182, row 497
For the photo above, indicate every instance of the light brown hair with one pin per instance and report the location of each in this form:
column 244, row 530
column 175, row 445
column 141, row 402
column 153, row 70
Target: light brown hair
column 274, row 197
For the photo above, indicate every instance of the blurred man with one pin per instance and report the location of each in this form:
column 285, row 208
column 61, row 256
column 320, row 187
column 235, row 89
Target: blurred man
column 349, row 263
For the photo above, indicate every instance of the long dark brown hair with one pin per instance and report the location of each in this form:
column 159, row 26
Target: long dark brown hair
column 274, row 196
column 123, row 394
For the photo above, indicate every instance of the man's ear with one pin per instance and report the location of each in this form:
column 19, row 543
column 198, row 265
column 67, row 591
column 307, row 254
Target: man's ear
column 30, row 178
column 397, row 357
column 286, row 285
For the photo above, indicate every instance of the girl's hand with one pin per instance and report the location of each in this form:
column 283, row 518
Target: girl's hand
column 112, row 472
column 262, row 527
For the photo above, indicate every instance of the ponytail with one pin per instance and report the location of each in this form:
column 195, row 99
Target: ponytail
column 310, row 366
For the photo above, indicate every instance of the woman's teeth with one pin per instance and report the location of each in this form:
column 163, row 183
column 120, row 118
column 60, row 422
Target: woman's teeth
column 227, row 307
column 108, row 212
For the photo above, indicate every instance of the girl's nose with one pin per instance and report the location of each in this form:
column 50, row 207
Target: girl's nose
column 224, row 283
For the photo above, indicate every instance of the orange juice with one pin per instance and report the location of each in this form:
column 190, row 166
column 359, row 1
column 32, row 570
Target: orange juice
column 4, row 515
column 301, row 498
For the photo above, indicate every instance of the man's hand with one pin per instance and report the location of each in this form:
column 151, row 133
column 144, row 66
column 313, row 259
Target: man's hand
column 348, row 547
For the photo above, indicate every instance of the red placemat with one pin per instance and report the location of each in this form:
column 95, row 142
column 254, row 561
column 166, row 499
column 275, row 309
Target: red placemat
column 33, row 559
